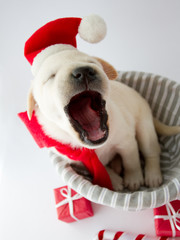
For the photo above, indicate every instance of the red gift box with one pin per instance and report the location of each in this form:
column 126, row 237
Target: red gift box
column 71, row 206
column 167, row 219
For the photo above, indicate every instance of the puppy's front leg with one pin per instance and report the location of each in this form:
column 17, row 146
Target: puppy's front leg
column 133, row 177
column 149, row 146
column 153, row 176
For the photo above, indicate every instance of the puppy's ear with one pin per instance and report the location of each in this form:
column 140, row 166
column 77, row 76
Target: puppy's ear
column 108, row 69
column 30, row 104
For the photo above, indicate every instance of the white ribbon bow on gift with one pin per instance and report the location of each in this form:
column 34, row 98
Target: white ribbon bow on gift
column 68, row 199
column 173, row 217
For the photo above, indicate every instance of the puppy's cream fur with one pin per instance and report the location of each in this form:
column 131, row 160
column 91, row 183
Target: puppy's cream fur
column 130, row 120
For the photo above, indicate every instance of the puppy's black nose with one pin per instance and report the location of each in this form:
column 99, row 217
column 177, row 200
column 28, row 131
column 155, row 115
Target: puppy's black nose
column 84, row 74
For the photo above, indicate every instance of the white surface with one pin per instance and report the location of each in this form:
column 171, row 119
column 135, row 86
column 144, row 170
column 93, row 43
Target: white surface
column 142, row 35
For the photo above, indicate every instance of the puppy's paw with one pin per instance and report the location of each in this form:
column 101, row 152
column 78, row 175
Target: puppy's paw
column 153, row 178
column 116, row 180
column 133, row 180
column 117, row 183
column 82, row 170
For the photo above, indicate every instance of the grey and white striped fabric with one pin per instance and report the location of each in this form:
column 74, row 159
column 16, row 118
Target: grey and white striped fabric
column 163, row 96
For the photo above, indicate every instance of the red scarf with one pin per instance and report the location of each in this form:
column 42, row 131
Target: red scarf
column 87, row 156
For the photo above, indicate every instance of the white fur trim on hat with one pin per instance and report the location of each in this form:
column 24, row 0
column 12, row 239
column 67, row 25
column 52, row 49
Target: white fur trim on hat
column 92, row 28
column 44, row 54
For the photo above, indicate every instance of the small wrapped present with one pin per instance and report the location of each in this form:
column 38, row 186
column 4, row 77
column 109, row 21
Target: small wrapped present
column 167, row 219
column 112, row 235
column 71, row 206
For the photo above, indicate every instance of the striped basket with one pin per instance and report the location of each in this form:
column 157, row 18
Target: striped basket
column 163, row 96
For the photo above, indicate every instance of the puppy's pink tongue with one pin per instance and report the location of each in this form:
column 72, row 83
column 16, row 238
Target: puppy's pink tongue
column 88, row 118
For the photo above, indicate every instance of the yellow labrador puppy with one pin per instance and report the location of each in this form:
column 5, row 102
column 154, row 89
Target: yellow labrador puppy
column 77, row 103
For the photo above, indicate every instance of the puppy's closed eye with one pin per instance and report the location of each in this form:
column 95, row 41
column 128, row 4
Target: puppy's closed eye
column 51, row 77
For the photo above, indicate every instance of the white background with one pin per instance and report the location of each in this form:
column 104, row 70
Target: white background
column 143, row 35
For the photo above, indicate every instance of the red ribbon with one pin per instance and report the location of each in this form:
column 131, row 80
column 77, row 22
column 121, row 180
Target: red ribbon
column 87, row 156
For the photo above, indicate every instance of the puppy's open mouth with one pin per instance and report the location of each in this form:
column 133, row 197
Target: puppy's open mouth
column 88, row 116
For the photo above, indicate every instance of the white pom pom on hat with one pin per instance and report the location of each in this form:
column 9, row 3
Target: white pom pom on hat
column 60, row 35
column 92, row 28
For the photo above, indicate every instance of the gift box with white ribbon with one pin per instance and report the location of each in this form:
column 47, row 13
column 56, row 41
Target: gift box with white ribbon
column 167, row 219
column 71, row 206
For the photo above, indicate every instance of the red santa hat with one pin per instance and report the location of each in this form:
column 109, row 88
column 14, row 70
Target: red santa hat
column 60, row 35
